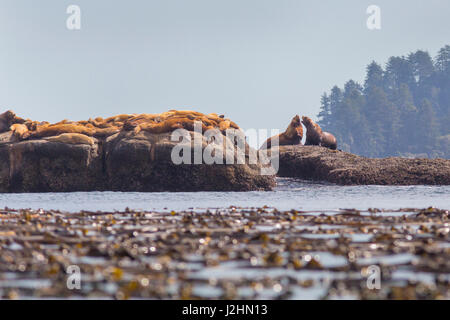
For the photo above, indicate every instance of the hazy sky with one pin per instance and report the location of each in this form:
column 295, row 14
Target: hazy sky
column 259, row 62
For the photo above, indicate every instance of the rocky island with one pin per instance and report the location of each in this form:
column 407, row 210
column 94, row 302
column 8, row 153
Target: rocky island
column 121, row 153
column 134, row 152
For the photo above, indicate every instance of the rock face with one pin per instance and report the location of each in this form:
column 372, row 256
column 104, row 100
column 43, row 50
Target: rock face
column 322, row 164
column 42, row 166
column 128, row 160
column 143, row 162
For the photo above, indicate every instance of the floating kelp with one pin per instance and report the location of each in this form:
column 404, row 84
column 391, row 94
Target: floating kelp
column 232, row 253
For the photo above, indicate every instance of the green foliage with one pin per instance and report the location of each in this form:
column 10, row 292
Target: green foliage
column 402, row 110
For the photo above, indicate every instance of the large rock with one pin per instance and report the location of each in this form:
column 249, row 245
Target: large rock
column 144, row 162
column 322, row 164
column 43, row 166
column 125, row 161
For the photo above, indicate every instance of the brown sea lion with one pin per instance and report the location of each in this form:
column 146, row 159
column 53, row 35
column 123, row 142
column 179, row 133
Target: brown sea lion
column 106, row 132
column 71, row 138
column 19, row 130
column 172, row 120
column 176, row 122
column 292, row 136
column 7, row 119
column 329, row 140
column 316, row 137
column 59, row 128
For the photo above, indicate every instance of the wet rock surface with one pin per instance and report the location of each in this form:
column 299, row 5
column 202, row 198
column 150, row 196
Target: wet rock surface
column 242, row 253
column 322, row 164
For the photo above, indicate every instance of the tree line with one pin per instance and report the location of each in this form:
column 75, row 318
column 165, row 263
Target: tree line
column 401, row 110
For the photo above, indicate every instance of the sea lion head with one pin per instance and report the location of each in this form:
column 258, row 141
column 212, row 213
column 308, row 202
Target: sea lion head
column 307, row 121
column 296, row 121
column 8, row 115
column 311, row 124
column 6, row 120
column 313, row 131
column 295, row 128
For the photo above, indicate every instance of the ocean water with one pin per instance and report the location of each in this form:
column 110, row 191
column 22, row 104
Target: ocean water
column 289, row 194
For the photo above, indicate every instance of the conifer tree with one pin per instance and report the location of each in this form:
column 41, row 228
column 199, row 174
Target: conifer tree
column 403, row 110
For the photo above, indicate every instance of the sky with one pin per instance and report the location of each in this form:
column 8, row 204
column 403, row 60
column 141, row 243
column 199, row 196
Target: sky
column 259, row 62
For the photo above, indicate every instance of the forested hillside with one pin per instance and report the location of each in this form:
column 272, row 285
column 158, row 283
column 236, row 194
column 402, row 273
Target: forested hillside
column 402, row 109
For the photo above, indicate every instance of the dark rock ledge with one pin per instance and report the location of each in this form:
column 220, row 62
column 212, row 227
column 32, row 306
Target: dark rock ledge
column 122, row 162
column 322, row 164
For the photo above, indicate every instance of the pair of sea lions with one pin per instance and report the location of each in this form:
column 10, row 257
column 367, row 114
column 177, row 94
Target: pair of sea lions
column 294, row 133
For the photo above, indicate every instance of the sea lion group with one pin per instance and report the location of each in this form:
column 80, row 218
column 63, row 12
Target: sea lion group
column 67, row 131
column 169, row 121
column 291, row 136
column 294, row 133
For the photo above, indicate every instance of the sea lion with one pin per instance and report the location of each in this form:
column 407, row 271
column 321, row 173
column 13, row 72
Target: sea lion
column 60, row 128
column 329, row 141
column 106, row 132
column 172, row 123
column 172, row 120
column 291, row 136
column 7, row 119
column 316, row 137
column 71, row 138
column 19, row 130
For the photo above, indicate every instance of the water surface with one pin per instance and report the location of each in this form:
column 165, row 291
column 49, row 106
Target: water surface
column 289, row 194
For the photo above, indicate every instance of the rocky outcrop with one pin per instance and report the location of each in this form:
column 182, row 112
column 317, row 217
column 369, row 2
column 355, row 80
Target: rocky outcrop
column 322, row 164
column 135, row 156
column 143, row 162
column 43, row 165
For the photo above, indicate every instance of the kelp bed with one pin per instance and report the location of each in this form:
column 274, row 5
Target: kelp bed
column 232, row 253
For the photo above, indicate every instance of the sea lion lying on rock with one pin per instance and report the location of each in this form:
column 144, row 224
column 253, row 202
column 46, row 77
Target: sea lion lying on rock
column 72, row 138
column 19, row 130
column 316, row 137
column 328, row 141
column 49, row 130
column 7, row 119
column 291, row 136
column 174, row 119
